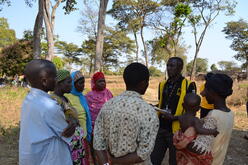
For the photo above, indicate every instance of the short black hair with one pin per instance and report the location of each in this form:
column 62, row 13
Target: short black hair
column 135, row 73
column 34, row 68
column 179, row 61
column 220, row 84
column 192, row 99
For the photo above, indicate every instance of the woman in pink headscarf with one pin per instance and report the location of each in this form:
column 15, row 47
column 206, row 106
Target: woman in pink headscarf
column 96, row 98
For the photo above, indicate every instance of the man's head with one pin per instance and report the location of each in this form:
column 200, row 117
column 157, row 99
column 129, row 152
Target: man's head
column 136, row 77
column 174, row 66
column 41, row 74
column 191, row 102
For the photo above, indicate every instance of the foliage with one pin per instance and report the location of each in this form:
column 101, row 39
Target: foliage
column 161, row 50
column 154, row 72
column 3, row 2
column 116, row 45
column 203, row 15
column 7, row 35
column 88, row 21
column 213, row 67
column 170, row 28
column 59, row 63
column 237, row 31
column 201, row 65
column 14, row 57
column 69, row 50
column 227, row 65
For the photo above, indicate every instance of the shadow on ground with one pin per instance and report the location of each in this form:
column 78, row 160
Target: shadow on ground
column 237, row 151
column 9, row 145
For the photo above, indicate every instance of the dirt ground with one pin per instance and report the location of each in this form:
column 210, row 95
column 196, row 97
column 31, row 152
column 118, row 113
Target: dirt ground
column 10, row 105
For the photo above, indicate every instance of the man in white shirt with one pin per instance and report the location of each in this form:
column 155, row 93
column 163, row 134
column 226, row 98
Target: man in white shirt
column 42, row 120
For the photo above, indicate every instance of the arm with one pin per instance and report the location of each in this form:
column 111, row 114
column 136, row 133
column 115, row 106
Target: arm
column 196, row 145
column 99, row 141
column 127, row 159
column 55, row 119
column 198, row 125
column 102, row 157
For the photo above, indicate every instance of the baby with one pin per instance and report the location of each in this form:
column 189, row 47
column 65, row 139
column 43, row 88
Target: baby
column 190, row 124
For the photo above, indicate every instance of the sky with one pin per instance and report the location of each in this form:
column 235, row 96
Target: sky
column 215, row 46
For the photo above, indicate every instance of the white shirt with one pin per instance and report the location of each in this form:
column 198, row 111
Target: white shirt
column 225, row 122
column 42, row 122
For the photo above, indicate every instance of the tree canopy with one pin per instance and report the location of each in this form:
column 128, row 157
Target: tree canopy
column 7, row 35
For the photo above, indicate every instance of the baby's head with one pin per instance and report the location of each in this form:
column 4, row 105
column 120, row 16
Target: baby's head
column 191, row 102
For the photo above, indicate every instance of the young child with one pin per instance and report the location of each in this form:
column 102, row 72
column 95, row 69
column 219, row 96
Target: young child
column 191, row 126
column 63, row 85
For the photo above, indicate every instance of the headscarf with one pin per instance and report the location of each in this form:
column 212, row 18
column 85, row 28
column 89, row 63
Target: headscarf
column 62, row 74
column 83, row 102
column 96, row 98
column 95, row 77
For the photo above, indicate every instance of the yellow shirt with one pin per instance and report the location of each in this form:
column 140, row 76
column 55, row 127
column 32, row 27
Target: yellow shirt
column 81, row 112
column 204, row 102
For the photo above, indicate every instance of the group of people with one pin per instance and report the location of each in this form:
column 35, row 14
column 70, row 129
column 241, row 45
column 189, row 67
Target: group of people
column 62, row 126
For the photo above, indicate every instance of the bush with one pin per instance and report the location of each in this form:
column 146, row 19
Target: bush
column 154, row 72
column 14, row 58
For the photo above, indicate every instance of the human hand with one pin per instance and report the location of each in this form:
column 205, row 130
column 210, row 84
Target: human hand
column 69, row 130
column 167, row 116
column 216, row 132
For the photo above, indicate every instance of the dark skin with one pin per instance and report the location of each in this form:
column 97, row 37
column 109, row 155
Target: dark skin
column 191, row 105
column 174, row 70
column 79, row 84
column 131, row 158
column 219, row 103
column 61, row 88
column 100, row 84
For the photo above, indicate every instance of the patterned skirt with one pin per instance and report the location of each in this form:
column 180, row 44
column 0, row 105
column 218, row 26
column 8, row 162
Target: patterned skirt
column 78, row 147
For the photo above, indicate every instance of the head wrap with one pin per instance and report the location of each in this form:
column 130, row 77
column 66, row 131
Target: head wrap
column 221, row 84
column 76, row 76
column 62, row 74
column 95, row 77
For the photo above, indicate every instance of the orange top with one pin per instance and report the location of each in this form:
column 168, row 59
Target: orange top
column 204, row 102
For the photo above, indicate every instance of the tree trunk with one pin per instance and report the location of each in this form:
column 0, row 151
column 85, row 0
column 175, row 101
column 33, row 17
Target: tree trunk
column 37, row 31
column 247, row 70
column 144, row 44
column 49, row 22
column 193, row 70
column 137, row 46
column 100, row 35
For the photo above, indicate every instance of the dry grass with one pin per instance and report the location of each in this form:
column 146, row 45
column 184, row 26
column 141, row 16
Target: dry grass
column 11, row 99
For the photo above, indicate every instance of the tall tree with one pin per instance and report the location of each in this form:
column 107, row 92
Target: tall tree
column 127, row 20
column 237, row 31
column 100, row 34
column 71, row 51
column 7, row 35
column 135, row 13
column 227, row 65
column 202, row 65
column 116, row 45
column 170, row 29
column 38, row 30
column 204, row 14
